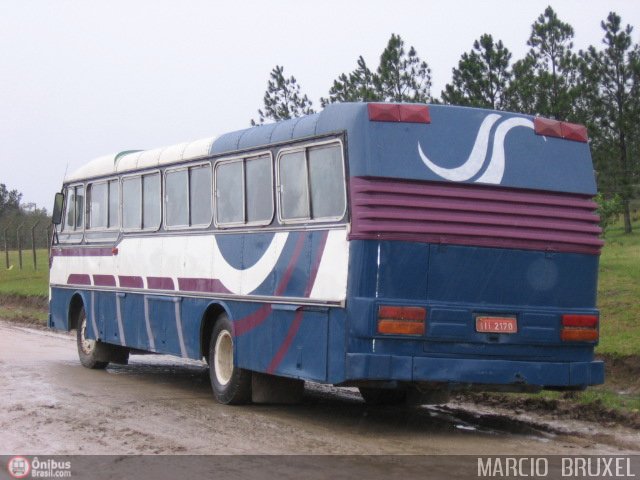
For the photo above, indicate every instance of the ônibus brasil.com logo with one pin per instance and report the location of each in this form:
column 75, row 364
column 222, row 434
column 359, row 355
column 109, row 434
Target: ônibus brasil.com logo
column 19, row 467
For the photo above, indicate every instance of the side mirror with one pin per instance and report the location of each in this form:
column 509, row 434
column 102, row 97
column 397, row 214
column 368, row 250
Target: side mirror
column 56, row 217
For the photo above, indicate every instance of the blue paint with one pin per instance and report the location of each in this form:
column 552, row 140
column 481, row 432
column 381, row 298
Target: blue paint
column 453, row 283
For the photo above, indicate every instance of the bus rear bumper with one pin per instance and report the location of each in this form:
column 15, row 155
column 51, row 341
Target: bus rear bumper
column 475, row 371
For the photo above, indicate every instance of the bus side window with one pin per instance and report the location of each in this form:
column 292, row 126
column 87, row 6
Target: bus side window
column 151, row 201
column 259, row 191
column 229, row 196
column 79, row 207
column 97, row 197
column 176, row 201
column 312, row 183
column 70, row 221
column 131, row 203
column 326, row 181
column 114, row 204
column 294, row 190
column 200, row 187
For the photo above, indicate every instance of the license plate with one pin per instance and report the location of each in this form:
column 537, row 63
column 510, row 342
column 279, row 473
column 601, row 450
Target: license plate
column 496, row 324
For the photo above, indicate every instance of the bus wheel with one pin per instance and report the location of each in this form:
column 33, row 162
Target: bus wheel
column 383, row 396
column 91, row 352
column 231, row 385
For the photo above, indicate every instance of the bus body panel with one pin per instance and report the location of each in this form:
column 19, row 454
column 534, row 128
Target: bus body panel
column 471, row 214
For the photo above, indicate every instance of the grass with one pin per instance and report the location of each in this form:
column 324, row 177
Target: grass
column 619, row 293
column 26, row 282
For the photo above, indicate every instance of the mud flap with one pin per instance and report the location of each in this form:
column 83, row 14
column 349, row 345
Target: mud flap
column 273, row 389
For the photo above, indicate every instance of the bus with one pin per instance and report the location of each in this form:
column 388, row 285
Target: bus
column 409, row 250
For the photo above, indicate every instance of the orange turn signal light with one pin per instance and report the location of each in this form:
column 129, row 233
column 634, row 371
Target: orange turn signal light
column 579, row 335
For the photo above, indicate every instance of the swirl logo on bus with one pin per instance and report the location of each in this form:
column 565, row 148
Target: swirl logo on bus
column 477, row 157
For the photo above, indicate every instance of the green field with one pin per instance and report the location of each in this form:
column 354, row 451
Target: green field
column 26, row 282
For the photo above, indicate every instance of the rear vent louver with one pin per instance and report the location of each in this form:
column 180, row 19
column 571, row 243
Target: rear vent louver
column 476, row 215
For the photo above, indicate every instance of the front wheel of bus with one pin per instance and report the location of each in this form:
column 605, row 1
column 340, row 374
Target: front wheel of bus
column 231, row 385
column 91, row 352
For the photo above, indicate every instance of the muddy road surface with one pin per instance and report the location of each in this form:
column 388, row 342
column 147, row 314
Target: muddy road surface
column 163, row 405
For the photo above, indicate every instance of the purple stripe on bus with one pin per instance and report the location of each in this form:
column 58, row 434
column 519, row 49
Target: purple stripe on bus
column 212, row 285
column 82, row 252
column 79, row 279
column 160, row 283
column 284, row 347
column 127, row 281
column 297, row 320
column 104, row 280
column 251, row 321
column 316, row 264
column 477, row 215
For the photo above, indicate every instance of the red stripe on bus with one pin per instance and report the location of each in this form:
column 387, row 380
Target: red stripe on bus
column 127, row 281
column 104, row 280
column 82, row 252
column 282, row 351
column 79, row 279
column 160, row 283
column 211, row 285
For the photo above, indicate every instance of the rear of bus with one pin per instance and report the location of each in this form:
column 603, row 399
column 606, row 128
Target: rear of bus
column 474, row 248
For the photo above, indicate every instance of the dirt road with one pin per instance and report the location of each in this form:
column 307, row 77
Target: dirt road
column 161, row 405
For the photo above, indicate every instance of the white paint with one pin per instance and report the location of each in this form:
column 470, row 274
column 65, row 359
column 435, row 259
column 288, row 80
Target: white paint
column 331, row 279
column 495, row 170
column 200, row 257
column 474, row 162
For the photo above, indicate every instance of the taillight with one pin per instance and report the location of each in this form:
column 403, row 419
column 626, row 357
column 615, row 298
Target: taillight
column 396, row 320
column 555, row 128
column 579, row 328
column 395, row 112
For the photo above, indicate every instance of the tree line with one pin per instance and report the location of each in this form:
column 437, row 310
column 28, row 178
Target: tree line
column 13, row 213
column 598, row 87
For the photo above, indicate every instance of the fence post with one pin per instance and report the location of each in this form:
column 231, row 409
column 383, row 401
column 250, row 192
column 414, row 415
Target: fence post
column 6, row 248
column 48, row 230
column 19, row 238
column 33, row 244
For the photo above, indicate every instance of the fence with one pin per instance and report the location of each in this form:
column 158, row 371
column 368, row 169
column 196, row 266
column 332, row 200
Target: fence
column 35, row 237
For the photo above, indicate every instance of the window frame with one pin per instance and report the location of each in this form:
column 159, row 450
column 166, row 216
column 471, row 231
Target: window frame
column 88, row 213
column 188, row 226
column 75, row 230
column 243, row 159
column 304, row 148
column 160, row 203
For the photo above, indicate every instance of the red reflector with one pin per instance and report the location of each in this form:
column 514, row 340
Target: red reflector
column 393, row 112
column 416, row 314
column 574, row 131
column 415, row 114
column 547, row 127
column 588, row 321
column 384, row 112
column 579, row 335
column 554, row 128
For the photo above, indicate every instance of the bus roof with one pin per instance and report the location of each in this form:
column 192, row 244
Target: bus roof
column 460, row 144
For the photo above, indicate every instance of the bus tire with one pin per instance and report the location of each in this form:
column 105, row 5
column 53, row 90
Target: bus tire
column 231, row 385
column 383, row 396
column 92, row 353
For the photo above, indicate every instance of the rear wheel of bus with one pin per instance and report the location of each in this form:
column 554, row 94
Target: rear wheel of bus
column 91, row 352
column 231, row 385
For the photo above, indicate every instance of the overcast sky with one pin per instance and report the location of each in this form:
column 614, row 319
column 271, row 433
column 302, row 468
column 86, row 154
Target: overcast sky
column 80, row 79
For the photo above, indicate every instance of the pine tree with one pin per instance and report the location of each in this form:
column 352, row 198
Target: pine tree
column 544, row 82
column 357, row 86
column 482, row 76
column 401, row 75
column 611, row 81
column 283, row 99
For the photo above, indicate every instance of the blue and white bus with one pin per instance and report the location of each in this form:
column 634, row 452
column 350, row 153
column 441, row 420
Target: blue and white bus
column 398, row 248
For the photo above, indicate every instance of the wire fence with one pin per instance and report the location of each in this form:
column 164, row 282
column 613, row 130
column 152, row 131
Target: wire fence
column 26, row 239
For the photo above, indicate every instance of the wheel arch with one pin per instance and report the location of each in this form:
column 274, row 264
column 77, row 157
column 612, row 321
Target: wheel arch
column 76, row 303
column 207, row 324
